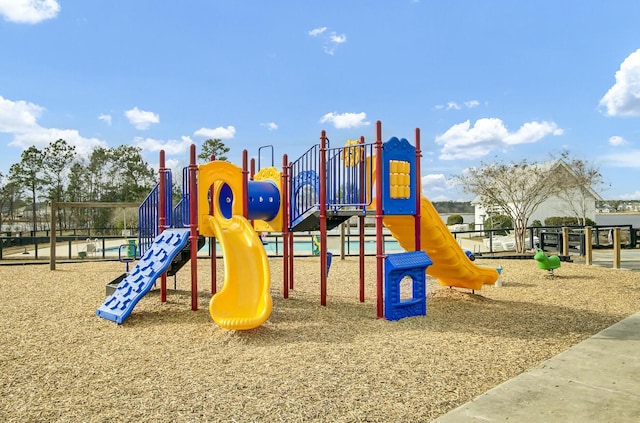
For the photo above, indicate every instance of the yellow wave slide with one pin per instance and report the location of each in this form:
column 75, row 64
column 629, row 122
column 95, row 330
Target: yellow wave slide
column 451, row 266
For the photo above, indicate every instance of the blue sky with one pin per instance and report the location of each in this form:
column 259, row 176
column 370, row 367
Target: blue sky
column 484, row 80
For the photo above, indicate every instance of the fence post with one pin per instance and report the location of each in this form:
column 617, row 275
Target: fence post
column 588, row 246
column 616, row 248
column 565, row 241
column 52, row 239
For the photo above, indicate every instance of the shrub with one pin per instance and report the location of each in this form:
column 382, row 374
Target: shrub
column 498, row 221
column 536, row 223
column 454, row 219
column 565, row 221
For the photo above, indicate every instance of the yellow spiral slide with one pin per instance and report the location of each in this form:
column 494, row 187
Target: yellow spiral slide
column 244, row 302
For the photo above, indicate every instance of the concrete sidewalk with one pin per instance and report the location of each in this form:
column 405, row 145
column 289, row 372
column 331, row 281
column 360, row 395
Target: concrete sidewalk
column 597, row 380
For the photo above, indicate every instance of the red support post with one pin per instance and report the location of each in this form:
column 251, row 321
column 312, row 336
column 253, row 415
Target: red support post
column 162, row 218
column 212, row 242
column 418, row 183
column 290, row 238
column 193, row 226
column 361, row 218
column 285, row 226
column 245, row 184
column 291, row 257
column 323, row 218
column 379, row 216
column 252, row 173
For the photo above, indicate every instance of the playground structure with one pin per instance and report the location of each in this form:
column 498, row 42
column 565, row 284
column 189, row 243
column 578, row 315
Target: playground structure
column 317, row 192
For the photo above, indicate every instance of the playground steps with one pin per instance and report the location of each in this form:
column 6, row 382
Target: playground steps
column 155, row 261
column 183, row 257
column 113, row 285
column 176, row 264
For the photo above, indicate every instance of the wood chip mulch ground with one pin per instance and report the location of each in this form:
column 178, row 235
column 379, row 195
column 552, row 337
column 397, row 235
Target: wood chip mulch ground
column 166, row 363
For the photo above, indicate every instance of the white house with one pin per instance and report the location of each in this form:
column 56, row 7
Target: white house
column 554, row 205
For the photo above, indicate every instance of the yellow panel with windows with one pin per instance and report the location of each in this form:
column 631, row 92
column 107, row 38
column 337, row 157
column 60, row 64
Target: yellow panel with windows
column 399, row 179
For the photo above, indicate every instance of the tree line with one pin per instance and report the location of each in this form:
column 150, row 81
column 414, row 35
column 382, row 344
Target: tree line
column 57, row 173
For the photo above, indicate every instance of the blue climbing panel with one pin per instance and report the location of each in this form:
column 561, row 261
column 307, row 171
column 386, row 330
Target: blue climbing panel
column 155, row 261
column 396, row 267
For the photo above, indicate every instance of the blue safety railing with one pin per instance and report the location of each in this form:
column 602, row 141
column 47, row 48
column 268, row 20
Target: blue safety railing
column 304, row 184
column 148, row 214
column 181, row 210
column 349, row 180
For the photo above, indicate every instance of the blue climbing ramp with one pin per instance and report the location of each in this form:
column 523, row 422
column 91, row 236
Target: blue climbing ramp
column 155, row 261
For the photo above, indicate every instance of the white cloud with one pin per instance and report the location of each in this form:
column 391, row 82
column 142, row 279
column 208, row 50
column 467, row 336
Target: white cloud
column 345, row 120
column 531, row 132
column 330, row 40
column 217, row 133
column 471, row 104
column 171, row 147
column 317, row 31
column 617, row 141
column 630, row 196
column 20, row 118
column 42, row 137
column 337, row 39
column 436, row 187
column 271, row 126
column 629, row 159
column 623, row 98
column 435, row 182
column 452, row 105
column 106, row 119
column 141, row 119
column 28, row 11
column 463, row 141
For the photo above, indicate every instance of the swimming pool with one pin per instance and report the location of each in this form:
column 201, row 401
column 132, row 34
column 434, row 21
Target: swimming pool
column 274, row 247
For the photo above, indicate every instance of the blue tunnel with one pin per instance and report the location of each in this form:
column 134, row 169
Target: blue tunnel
column 263, row 200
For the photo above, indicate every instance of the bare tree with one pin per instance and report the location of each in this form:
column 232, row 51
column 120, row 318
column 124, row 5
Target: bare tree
column 513, row 189
column 578, row 190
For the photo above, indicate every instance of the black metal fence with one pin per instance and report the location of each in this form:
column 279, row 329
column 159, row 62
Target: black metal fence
column 549, row 238
column 13, row 242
